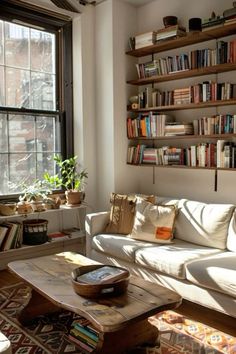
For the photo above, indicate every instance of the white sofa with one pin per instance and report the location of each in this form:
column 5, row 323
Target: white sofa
column 200, row 264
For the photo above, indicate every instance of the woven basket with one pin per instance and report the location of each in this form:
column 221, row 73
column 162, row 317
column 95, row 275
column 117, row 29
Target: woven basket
column 35, row 231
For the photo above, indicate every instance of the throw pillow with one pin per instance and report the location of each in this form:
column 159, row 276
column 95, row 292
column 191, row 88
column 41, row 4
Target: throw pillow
column 154, row 223
column 121, row 214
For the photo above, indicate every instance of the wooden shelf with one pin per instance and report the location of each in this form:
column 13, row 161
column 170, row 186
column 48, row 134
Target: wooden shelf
column 190, row 38
column 185, row 74
column 184, row 137
column 183, row 166
column 187, row 106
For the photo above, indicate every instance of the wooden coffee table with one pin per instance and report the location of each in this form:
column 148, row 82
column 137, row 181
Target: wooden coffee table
column 122, row 321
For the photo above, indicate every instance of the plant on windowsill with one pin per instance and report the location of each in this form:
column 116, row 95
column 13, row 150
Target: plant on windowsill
column 69, row 178
column 33, row 195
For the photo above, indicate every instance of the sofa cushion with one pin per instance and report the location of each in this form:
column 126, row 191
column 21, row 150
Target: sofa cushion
column 118, row 246
column 203, row 224
column 216, row 272
column 121, row 214
column 171, row 259
column 231, row 239
column 153, row 223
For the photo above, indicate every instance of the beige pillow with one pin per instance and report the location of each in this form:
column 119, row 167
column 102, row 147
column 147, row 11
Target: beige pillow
column 121, row 214
column 153, row 223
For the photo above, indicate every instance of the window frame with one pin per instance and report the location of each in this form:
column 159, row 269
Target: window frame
column 61, row 26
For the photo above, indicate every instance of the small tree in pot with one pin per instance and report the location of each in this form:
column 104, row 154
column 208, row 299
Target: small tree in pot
column 69, row 178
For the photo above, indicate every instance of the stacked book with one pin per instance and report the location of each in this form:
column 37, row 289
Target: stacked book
column 84, row 335
column 210, row 23
column 182, row 95
column 11, row 235
column 170, row 32
column 150, row 156
column 176, row 128
column 145, row 39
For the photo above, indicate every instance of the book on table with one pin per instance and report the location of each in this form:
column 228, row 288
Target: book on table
column 103, row 275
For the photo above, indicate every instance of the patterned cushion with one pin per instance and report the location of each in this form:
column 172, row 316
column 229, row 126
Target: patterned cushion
column 121, row 214
column 153, row 223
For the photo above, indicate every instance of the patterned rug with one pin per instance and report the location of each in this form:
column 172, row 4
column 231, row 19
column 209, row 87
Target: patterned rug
column 48, row 334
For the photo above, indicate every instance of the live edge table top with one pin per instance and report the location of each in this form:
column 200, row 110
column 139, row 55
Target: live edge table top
column 50, row 276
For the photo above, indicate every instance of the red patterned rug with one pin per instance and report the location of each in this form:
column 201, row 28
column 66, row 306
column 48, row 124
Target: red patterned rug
column 48, row 334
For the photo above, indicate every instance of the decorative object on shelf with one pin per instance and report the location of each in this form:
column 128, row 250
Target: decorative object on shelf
column 35, row 231
column 170, row 21
column 230, row 13
column 24, row 207
column 134, row 101
column 195, row 24
column 213, row 22
column 99, row 280
column 7, row 209
column 69, row 178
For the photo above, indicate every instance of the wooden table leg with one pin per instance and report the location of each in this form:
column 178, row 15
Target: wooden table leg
column 37, row 305
column 136, row 334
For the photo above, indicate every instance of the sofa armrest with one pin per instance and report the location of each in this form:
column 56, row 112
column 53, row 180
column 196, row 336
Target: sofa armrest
column 94, row 224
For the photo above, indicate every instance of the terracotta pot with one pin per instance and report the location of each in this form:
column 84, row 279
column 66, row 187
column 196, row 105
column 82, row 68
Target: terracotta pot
column 24, row 208
column 74, row 197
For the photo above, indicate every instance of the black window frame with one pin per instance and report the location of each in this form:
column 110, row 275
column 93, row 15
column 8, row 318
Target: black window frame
column 61, row 25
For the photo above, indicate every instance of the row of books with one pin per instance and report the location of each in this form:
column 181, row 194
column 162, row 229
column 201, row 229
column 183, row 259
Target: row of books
column 221, row 154
column 202, row 92
column 147, row 125
column 149, row 38
column 84, row 335
column 154, row 125
column 217, row 124
column 11, row 235
column 225, row 52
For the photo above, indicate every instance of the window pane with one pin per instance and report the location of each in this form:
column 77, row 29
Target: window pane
column 21, row 133
column 17, row 83
column 47, row 133
column 1, row 43
column 4, row 174
column 3, row 134
column 42, row 50
column 22, row 168
column 2, row 87
column 16, row 45
column 42, row 91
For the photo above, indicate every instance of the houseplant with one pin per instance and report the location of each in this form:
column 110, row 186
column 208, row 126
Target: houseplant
column 68, row 178
column 34, row 193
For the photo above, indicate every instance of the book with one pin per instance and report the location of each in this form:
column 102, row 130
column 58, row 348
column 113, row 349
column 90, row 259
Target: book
column 3, row 232
column 102, row 275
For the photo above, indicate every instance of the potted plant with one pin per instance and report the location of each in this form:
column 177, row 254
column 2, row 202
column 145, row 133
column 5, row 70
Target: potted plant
column 35, row 194
column 68, row 178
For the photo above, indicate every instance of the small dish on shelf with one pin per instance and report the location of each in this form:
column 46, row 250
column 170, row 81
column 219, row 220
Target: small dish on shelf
column 98, row 280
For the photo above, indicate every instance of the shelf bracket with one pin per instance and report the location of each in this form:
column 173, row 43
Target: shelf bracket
column 153, row 175
column 216, row 180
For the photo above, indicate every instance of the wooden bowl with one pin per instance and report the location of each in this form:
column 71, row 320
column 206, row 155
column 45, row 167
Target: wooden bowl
column 98, row 289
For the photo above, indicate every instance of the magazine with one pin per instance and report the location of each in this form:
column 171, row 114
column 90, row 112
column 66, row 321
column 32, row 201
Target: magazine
column 105, row 274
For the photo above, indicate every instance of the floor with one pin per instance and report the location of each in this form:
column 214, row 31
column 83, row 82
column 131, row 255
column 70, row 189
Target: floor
column 212, row 318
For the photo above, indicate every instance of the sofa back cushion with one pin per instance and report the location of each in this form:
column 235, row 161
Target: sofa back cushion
column 153, row 223
column 203, row 224
column 121, row 214
column 231, row 239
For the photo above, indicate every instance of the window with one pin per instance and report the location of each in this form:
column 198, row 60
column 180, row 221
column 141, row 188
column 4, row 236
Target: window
column 35, row 98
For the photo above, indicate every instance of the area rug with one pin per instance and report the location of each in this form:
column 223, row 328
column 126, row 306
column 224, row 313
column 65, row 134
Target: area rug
column 48, row 334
